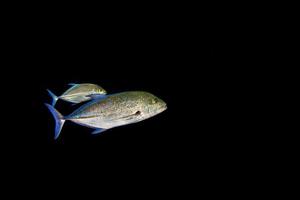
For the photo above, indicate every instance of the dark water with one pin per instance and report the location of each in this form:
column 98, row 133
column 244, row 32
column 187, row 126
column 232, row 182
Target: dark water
column 149, row 58
column 180, row 62
column 157, row 59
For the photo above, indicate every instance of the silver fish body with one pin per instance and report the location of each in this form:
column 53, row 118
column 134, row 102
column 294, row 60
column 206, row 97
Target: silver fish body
column 115, row 110
column 78, row 93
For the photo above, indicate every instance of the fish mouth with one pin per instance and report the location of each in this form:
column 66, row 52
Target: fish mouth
column 163, row 107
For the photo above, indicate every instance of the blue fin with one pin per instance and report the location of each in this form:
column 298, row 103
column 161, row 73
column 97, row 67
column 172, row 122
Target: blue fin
column 98, row 130
column 54, row 98
column 72, row 84
column 59, row 120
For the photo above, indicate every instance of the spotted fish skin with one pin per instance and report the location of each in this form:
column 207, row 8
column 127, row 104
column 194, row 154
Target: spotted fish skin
column 116, row 110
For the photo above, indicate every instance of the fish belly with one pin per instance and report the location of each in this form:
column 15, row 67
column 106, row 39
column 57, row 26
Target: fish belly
column 92, row 122
column 75, row 99
column 97, row 122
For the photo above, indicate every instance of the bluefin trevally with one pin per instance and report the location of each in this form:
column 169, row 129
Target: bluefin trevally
column 78, row 93
column 110, row 111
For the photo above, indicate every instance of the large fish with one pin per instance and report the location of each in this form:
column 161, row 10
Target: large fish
column 111, row 111
column 78, row 93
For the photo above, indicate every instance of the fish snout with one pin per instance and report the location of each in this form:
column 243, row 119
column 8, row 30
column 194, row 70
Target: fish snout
column 163, row 106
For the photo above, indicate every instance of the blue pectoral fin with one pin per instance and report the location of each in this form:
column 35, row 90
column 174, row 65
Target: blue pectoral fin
column 98, row 130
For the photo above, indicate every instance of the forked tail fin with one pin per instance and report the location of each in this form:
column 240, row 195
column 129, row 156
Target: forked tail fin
column 59, row 120
column 54, row 98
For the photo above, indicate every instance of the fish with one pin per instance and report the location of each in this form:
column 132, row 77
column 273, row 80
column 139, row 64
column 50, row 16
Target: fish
column 77, row 93
column 106, row 112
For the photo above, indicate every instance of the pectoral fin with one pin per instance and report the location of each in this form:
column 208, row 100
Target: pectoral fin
column 98, row 130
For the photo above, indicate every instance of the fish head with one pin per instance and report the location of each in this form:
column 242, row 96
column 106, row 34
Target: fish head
column 99, row 90
column 152, row 105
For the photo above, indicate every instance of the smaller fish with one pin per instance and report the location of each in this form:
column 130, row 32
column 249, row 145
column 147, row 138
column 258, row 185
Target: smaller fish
column 78, row 93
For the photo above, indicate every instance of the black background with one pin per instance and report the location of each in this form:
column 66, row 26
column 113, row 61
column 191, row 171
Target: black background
column 172, row 59
column 182, row 57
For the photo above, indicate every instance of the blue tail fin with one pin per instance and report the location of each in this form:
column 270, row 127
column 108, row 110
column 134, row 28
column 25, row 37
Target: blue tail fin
column 59, row 120
column 54, row 98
